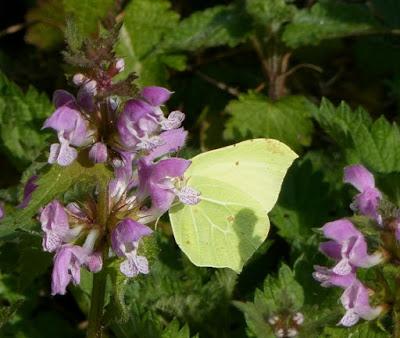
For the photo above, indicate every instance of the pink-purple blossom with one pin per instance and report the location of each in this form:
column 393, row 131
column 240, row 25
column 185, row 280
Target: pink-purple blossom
column 328, row 278
column 54, row 220
column 355, row 300
column 30, row 187
column 367, row 201
column 98, row 153
column 136, row 140
column 347, row 246
column 157, row 181
column 125, row 241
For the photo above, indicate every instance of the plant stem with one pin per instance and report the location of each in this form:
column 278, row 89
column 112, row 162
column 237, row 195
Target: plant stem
column 97, row 304
column 95, row 327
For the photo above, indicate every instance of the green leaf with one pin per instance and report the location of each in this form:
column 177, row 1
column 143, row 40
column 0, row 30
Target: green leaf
column 329, row 19
column 230, row 222
column 146, row 23
column 282, row 296
column 175, row 288
column 7, row 312
column 21, row 117
column 376, row 144
column 255, row 115
column 362, row 330
column 173, row 330
column 270, row 13
column 215, row 26
column 46, row 24
column 32, row 262
column 51, row 185
column 297, row 213
column 87, row 13
column 117, row 310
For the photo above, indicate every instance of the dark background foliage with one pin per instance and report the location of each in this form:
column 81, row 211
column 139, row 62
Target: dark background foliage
column 239, row 69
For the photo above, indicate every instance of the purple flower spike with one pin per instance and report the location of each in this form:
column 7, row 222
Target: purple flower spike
column 348, row 247
column 55, row 225
column 125, row 242
column 367, row 201
column 29, row 188
column 2, row 213
column 67, row 263
column 328, row 278
column 98, row 153
column 155, row 181
column 156, row 96
column 355, row 300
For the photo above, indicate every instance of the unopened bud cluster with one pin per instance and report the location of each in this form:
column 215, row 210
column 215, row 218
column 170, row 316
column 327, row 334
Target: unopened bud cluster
column 285, row 326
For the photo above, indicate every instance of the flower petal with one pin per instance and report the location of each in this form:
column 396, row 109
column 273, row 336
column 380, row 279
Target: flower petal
column 359, row 177
column 156, row 96
column 340, row 230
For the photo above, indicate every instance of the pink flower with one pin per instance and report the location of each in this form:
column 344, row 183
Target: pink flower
column 355, row 300
column 348, row 247
column 367, row 201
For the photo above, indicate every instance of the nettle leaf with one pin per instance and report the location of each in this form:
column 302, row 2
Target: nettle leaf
column 52, row 184
column 215, row 26
column 173, row 330
column 304, row 203
column 146, row 23
column 281, row 296
column 175, row 288
column 361, row 330
column 255, row 115
column 329, row 19
column 21, row 117
column 87, row 13
column 272, row 12
column 376, row 144
column 239, row 185
column 46, row 24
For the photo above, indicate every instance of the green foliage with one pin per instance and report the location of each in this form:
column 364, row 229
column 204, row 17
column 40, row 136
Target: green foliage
column 21, row 117
column 362, row 330
column 329, row 19
column 145, row 26
column 303, row 205
column 287, row 120
column 51, row 185
column 215, row 26
column 173, row 330
column 203, row 51
column 271, row 13
column 175, row 288
column 46, row 24
column 86, row 14
column 373, row 143
column 281, row 296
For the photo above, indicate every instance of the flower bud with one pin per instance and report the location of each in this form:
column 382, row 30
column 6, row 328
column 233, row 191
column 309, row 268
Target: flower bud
column 98, row 153
column 120, row 65
column 91, row 87
column 79, row 79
